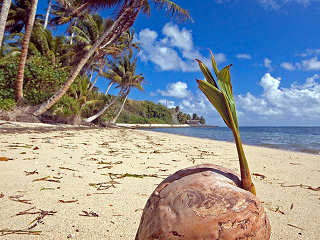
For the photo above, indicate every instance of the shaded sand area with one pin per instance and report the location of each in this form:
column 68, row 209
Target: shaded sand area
column 93, row 183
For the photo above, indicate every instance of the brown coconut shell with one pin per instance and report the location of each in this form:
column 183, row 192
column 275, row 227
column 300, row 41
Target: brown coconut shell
column 204, row 202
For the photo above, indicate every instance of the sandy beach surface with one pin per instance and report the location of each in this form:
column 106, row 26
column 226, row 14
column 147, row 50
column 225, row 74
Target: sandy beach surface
column 93, row 183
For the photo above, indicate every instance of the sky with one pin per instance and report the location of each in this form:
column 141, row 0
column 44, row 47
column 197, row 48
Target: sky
column 273, row 46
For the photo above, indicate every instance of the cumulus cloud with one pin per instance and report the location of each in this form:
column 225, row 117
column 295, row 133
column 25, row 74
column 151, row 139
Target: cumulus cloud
column 309, row 61
column 298, row 103
column 288, row 66
column 167, row 103
column 177, row 90
column 175, row 50
column 244, row 56
column 267, row 63
column 312, row 64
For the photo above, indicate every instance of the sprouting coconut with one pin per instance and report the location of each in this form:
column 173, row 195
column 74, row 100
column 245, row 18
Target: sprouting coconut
column 208, row 202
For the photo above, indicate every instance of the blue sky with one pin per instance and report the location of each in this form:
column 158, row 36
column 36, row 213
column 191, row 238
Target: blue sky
column 274, row 46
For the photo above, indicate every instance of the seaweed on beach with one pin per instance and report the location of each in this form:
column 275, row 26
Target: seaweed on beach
column 32, row 224
column 117, row 176
column 89, row 214
column 31, row 173
column 39, row 219
column 104, row 185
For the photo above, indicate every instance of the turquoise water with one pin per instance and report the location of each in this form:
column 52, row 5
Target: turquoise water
column 301, row 139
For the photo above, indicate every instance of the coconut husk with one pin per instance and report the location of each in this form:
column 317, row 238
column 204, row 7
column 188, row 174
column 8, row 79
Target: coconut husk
column 203, row 202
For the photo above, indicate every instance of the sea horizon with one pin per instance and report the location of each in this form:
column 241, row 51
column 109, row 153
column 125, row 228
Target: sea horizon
column 293, row 138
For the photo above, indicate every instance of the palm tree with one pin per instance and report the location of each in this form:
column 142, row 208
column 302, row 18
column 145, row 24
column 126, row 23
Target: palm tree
column 3, row 17
column 68, row 12
column 125, row 19
column 47, row 14
column 122, row 72
column 53, row 47
column 24, row 51
column 129, row 79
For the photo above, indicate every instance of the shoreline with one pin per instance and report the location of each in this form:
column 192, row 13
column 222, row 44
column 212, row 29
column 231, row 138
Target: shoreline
column 25, row 127
column 161, row 125
column 68, row 173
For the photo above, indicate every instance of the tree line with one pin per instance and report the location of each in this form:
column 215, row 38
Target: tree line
column 56, row 71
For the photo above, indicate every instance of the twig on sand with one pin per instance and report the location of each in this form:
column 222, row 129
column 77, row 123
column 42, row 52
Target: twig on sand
column 17, row 199
column 41, row 212
column 291, row 225
column 38, row 219
column 4, row 232
column 302, row 186
column 68, row 201
column 47, row 178
column 32, row 224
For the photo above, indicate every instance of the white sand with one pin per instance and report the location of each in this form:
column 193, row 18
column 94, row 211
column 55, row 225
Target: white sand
column 76, row 159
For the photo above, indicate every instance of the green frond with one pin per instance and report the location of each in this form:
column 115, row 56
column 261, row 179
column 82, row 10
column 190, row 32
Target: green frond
column 173, row 9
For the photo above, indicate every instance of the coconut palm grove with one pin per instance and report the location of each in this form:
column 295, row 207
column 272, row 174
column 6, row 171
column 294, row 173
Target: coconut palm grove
column 50, row 62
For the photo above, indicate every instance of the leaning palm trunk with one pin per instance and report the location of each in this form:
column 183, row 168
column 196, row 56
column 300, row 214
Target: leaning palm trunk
column 98, row 114
column 47, row 14
column 109, row 87
column 123, row 23
column 94, row 82
column 24, row 52
column 91, row 75
column 3, row 17
column 121, row 108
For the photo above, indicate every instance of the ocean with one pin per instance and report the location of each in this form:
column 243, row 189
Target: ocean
column 300, row 139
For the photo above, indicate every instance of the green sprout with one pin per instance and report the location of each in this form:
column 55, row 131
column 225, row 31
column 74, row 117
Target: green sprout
column 222, row 99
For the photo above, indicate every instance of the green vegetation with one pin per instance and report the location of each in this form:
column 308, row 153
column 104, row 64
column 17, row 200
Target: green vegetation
column 145, row 112
column 222, row 99
column 57, row 73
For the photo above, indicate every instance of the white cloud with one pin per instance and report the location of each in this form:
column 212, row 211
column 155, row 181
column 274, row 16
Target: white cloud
column 267, row 64
column 288, row 66
column 177, row 90
column 174, row 51
column 311, row 64
column 167, row 103
column 243, row 56
column 310, row 52
column 298, row 104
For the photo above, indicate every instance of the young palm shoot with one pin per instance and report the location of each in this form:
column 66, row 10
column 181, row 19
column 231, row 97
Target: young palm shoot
column 207, row 201
column 222, row 99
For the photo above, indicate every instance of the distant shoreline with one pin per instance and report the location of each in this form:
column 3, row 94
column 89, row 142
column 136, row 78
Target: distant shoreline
column 156, row 125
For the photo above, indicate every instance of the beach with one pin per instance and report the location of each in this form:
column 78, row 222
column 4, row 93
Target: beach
column 83, row 183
